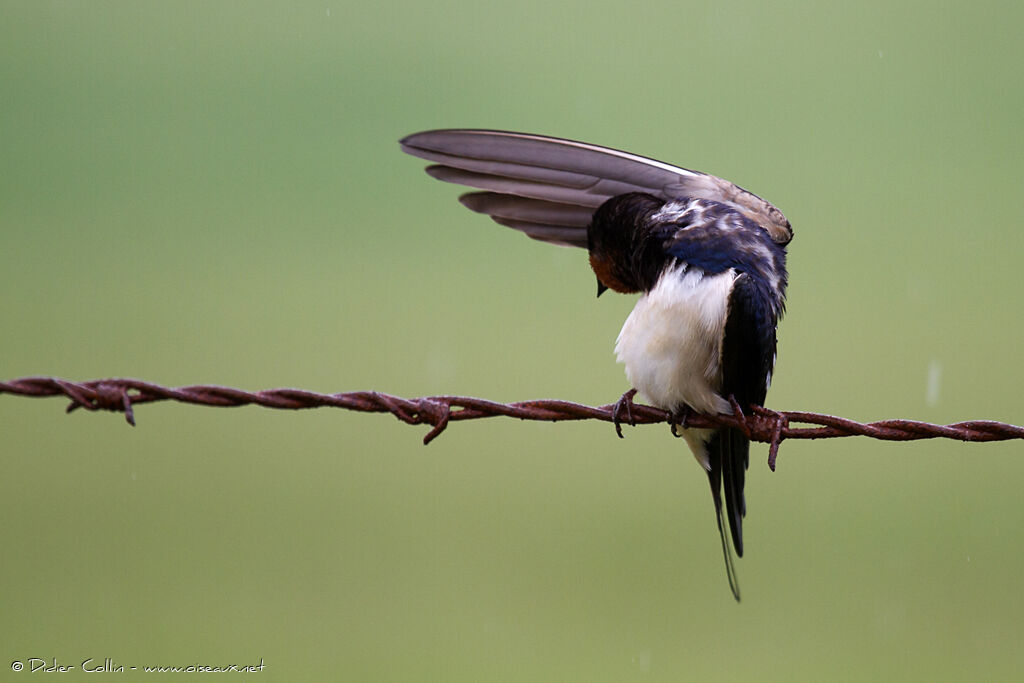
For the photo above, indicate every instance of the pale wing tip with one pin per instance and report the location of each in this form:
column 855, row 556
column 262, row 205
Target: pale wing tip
column 440, row 139
column 422, row 142
column 425, row 139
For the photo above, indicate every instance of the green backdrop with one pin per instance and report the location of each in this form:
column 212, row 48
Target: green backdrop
column 197, row 192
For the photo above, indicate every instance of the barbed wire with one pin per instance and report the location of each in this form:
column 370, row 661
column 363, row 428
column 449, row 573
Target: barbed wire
column 766, row 426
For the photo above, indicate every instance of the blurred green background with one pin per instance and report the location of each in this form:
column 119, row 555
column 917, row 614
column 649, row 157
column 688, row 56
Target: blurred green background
column 197, row 192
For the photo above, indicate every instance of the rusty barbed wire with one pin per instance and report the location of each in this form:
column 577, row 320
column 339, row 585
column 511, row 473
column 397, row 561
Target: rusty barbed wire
column 766, row 426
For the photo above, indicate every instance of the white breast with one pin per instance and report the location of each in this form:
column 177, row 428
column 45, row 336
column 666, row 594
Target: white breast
column 671, row 343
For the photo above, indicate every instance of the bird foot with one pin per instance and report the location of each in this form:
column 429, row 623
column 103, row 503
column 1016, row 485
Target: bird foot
column 679, row 418
column 625, row 402
column 737, row 412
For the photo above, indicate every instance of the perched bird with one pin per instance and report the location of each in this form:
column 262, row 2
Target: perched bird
column 708, row 258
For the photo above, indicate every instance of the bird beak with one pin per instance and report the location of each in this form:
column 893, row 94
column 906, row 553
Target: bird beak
column 601, row 287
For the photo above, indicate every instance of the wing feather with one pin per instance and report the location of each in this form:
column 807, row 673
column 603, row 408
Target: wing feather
column 533, row 210
column 578, row 174
column 566, row 237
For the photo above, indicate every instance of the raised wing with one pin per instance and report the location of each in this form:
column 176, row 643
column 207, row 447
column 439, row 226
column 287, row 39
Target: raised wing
column 548, row 187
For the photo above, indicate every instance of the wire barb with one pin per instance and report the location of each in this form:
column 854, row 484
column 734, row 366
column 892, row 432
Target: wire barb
column 763, row 425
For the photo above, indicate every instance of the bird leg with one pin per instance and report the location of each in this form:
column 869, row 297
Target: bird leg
column 625, row 401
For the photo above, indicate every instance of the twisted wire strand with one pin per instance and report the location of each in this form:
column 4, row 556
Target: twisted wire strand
column 766, row 426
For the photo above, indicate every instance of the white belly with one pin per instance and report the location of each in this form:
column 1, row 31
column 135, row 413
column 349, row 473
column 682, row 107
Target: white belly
column 671, row 343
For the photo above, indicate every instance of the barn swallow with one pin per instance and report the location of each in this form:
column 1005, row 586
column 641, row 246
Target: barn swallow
column 707, row 257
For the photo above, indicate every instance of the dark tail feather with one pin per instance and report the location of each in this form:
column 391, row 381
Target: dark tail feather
column 734, row 450
column 715, row 479
column 728, row 455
